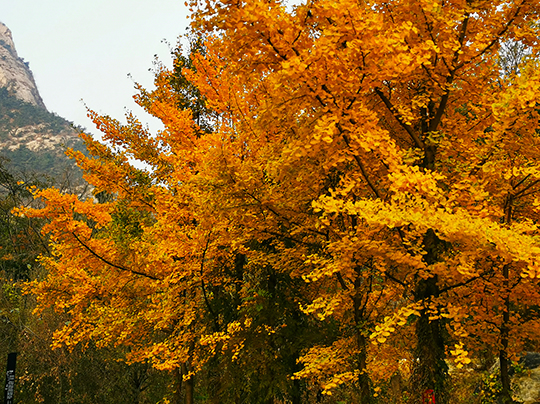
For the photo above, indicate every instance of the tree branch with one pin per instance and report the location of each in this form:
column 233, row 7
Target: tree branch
column 121, row 268
column 418, row 142
column 206, row 301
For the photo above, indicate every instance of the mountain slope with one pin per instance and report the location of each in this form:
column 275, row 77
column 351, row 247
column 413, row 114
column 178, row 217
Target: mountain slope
column 31, row 138
column 15, row 74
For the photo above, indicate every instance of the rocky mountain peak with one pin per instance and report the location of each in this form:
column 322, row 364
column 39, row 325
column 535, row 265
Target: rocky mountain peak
column 15, row 75
column 31, row 138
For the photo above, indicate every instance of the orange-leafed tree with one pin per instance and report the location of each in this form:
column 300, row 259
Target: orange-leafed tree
column 365, row 170
column 167, row 261
column 428, row 142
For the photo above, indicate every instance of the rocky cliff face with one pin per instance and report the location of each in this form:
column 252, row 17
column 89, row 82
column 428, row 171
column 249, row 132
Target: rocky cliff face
column 31, row 138
column 14, row 72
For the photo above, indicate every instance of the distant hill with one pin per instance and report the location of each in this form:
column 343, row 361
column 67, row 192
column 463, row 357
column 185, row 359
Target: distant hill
column 31, row 138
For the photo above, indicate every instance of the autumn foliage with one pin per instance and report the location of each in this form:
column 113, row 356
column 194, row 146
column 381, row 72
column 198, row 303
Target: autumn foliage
column 343, row 191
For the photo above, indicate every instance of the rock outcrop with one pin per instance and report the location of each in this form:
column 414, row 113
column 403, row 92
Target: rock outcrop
column 526, row 382
column 31, row 138
column 15, row 75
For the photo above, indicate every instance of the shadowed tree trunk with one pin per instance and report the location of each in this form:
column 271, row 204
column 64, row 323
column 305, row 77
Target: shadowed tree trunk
column 188, row 385
column 177, row 381
column 506, row 392
column 359, row 304
column 430, row 371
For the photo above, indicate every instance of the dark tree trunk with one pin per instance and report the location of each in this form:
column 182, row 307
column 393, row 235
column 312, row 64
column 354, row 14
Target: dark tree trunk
column 430, row 371
column 177, row 382
column 363, row 379
column 296, row 393
column 189, row 385
column 506, row 391
column 364, row 383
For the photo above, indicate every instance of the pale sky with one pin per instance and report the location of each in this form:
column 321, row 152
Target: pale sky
column 85, row 49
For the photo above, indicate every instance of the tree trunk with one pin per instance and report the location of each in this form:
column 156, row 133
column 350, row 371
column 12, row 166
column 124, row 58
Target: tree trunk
column 361, row 342
column 363, row 379
column 296, row 393
column 430, row 371
column 506, row 392
column 177, row 383
column 189, row 385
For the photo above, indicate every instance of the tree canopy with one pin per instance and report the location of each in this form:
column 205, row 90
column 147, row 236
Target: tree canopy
column 342, row 190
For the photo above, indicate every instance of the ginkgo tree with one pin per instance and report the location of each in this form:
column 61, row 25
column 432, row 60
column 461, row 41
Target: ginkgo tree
column 366, row 175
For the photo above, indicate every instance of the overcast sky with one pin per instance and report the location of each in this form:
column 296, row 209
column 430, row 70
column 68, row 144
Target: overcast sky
column 85, row 49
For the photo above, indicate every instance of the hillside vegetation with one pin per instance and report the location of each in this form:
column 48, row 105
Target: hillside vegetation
column 34, row 140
